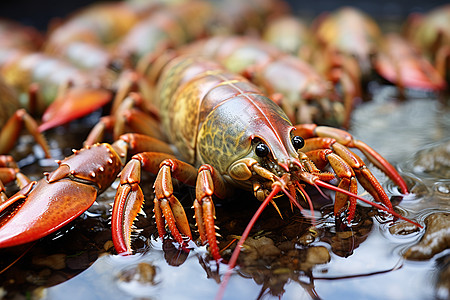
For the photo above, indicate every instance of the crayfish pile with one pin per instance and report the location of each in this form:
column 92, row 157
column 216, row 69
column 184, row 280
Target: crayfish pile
column 243, row 100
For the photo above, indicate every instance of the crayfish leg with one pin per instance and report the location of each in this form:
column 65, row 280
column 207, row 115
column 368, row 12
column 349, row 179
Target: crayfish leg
column 342, row 200
column 171, row 208
column 129, row 197
column 347, row 182
column 348, row 167
column 332, row 135
column 11, row 132
column 208, row 183
column 127, row 203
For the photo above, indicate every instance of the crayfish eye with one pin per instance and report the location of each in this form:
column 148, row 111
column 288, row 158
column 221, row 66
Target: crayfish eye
column 298, row 142
column 262, row 150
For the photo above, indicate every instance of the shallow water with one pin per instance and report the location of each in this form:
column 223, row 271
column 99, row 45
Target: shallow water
column 411, row 281
column 368, row 265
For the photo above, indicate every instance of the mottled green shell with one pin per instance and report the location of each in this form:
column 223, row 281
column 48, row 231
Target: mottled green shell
column 211, row 115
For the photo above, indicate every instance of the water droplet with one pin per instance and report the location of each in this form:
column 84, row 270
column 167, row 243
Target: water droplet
column 443, row 188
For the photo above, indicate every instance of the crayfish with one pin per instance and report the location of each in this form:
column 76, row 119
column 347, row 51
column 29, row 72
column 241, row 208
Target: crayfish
column 237, row 136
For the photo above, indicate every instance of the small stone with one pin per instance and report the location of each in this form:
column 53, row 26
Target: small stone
column 435, row 240
column 317, row 255
column 143, row 272
column 263, row 246
column 403, row 228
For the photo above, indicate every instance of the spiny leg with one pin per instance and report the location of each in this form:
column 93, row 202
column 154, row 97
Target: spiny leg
column 208, row 183
column 127, row 204
column 346, row 139
column 129, row 197
column 345, row 174
column 135, row 114
column 131, row 115
column 365, row 177
column 11, row 131
column 313, row 180
column 171, row 209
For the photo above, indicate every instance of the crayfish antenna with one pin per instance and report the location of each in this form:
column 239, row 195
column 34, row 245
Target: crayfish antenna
column 237, row 250
column 376, row 205
column 381, row 163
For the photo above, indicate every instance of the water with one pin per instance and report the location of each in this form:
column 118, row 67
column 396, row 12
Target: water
column 189, row 281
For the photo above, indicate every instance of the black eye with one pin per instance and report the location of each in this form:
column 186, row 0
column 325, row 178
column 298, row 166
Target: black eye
column 298, row 142
column 262, row 150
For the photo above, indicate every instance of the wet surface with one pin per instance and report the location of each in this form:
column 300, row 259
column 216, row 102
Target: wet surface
column 284, row 258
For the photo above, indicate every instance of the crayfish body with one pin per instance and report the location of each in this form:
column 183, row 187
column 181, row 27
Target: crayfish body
column 231, row 134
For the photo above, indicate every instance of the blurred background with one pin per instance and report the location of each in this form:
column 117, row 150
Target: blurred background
column 38, row 13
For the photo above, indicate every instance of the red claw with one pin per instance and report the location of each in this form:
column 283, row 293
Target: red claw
column 399, row 63
column 47, row 208
column 43, row 207
column 75, row 103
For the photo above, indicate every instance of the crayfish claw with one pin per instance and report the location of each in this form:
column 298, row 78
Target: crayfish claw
column 127, row 204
